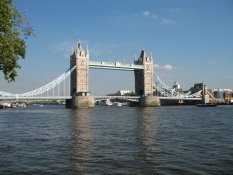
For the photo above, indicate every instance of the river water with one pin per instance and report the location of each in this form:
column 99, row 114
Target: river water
column 116, row 140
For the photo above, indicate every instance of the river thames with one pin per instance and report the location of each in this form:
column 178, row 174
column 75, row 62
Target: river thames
column 116, row 140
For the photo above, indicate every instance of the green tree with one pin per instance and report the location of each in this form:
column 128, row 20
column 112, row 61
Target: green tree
column 14, row 30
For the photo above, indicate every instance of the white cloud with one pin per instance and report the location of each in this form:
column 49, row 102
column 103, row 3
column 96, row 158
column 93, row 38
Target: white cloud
column 230, row 77
column 146, row 13
column 168, row 67
column 154, row 16
column 165, row 67
column 149, row 14
column 168, row 21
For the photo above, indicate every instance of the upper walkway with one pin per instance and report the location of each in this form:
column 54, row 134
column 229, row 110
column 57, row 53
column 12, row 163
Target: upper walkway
column 114, row 66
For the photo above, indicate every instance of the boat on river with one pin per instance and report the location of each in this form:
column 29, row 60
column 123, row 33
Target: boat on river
column 106, row 102
column 5, row 105
column 117, row 104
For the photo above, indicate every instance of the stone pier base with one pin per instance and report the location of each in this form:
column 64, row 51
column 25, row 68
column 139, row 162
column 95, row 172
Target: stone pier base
column 149, row 101
column 81, row 102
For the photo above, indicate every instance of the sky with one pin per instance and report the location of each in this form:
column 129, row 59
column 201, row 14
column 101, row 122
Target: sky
column 191, row 41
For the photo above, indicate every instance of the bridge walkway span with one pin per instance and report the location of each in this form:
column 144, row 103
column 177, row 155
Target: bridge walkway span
column 114, row 66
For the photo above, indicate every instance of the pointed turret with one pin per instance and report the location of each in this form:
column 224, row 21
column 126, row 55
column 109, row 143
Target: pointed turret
column 79, row 46
column 143, row 54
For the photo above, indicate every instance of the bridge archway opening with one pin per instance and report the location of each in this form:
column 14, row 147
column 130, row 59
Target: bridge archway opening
column 103, row 82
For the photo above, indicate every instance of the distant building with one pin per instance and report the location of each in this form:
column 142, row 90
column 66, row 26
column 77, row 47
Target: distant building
column 197, row 87
column 122, row 93
column 125, row 92
column 218, row 94
column 228, row 96
column 176, row 86
column 222, row 94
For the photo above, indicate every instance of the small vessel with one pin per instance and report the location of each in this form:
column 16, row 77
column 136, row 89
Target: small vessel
column 5, row 105
column 207, row 105
column 117, row 104
column 106, row 102
column 23, row 105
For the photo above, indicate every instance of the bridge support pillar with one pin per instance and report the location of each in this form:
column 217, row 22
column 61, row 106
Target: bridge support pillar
column 149, row 101
column 81, row 102
column 205, row 97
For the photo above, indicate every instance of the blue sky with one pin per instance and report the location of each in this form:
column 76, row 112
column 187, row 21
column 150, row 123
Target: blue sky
column 191, row 41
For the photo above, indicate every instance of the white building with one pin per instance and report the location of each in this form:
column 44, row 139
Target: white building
column 176, row 86
column 123, row 92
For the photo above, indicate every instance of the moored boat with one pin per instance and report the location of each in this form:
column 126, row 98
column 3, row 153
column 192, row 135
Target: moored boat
column 5, row 105
column 106, row 102
column 117, row 104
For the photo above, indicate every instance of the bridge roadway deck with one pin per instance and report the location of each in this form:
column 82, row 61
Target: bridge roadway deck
column 114, row 66
column 132, row 98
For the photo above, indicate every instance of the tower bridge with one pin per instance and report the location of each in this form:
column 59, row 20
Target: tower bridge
column 77, row 78
column 143, row 72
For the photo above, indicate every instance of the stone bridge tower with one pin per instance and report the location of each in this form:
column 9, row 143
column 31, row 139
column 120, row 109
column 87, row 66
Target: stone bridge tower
column 79, row 84
column 79, row 77
column 144, row 78
column 144, row 81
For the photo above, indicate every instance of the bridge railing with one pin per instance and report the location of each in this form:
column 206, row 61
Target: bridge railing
column 57, row 87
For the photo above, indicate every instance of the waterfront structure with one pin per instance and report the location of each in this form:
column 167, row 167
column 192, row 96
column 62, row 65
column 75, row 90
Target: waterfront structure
column 223, row 95
column 125, row 92
column 122, row 93
column 78, row 88
column 228, row 96
column 204, row 92
column 79, row 83
column 176, row 86
column 144, row 81
column 197, row 87
column 80, row 76
column 144, row 78
column 143, row 72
